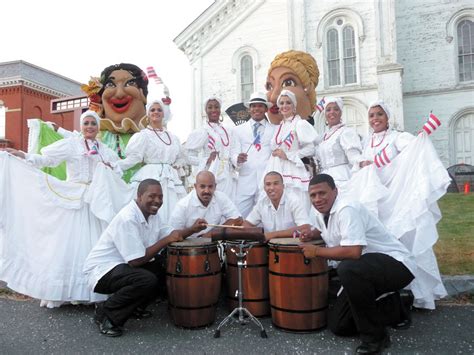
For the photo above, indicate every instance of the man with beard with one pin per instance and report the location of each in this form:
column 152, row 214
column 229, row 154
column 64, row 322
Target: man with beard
column 124, row 261
column 205, row 205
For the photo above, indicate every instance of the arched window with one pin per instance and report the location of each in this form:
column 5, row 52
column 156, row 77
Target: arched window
column 246, row 77
column 465, row 40
column 333, row 57
column 341, row 54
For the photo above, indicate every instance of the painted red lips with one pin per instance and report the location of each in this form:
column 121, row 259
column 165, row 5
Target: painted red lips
column 121, row 105
column 274, row 109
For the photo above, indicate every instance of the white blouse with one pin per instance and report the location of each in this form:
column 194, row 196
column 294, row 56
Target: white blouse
column 80, row 165
column 153, row 147
column 338, row 146
column 378, row 141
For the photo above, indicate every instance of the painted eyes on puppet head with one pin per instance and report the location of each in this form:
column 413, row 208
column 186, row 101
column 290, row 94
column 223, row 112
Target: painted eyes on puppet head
column 109, row 84
column 132, row 82
column 288, row 82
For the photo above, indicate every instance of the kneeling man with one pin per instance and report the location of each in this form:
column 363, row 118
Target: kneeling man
column 120, row 263
column 281, row 215
column 372, row 263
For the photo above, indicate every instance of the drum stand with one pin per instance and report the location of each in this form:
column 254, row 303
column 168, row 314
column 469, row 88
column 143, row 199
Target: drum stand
column 240, row 309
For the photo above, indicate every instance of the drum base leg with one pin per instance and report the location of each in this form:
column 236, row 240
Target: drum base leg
column 241, row 310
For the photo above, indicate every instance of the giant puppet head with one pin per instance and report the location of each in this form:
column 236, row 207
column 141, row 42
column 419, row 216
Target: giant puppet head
column 119, row 96
column 295, row 71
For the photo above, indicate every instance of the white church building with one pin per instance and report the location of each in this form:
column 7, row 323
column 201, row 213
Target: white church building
column 417, row 55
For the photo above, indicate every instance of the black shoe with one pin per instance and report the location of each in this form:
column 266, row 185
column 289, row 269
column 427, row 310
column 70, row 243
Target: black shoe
column 373, row 347
column 404, row 324
column 407, row 299
column 140, row 313
column 108, row 329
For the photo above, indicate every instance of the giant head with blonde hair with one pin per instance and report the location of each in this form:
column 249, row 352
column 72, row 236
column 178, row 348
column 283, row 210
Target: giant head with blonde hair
column 298, row 72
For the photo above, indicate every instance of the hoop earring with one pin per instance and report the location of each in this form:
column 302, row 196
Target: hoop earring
column 221, row 118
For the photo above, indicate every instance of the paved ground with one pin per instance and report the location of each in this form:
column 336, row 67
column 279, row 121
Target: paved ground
column 25, row 328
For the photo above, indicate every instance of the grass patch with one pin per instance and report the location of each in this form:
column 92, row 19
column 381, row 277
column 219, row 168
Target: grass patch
column 455, row 247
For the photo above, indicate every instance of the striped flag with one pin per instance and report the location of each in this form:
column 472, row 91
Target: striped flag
column 211, row 142
column 432, row 124
column 257, row 143
column 289, row 139
column 152, row 75
column 320, row 105
column 385, row 156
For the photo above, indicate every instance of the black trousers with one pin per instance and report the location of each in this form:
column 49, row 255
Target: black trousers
column 130, row 288
column 356, row 310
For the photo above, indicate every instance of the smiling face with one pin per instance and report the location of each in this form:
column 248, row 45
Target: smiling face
column 150, row 200
column 285, row 78
column 257, row 111
column 322, row 197
column 333, row 114
column 273, row 186
column 122, row 97
column 89, row 128
column 287, row 108
column 213, row 111
column 155, row 114
column 378, row 119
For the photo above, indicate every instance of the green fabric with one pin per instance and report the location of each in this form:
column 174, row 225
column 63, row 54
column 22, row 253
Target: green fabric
column 110, row 139
column 47, row 136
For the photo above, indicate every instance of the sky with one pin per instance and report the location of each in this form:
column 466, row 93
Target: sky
column 78, row 39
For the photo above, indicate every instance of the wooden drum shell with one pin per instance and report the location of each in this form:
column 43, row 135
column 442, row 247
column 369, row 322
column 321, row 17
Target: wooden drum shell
column 298, row 287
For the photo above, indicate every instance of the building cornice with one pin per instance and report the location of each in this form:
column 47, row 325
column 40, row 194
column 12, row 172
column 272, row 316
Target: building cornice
column 441, row 91
column 213, row 25
column 11, row 82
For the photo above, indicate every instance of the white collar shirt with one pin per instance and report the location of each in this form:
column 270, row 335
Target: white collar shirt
column 190, row 208
column 351, row 224
column 290, row 213
column 126, row 238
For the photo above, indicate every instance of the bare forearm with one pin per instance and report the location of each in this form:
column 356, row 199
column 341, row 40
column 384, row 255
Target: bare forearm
column 339, row 253
column 151, row 251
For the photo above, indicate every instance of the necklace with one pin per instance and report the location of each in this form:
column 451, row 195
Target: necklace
column 88, row 148
column 279, row 130
column 161, row 139
column 226, row 135
column 326, row 136
column 372, row 143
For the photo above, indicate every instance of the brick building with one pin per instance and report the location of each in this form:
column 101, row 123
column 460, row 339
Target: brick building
column 28, row 91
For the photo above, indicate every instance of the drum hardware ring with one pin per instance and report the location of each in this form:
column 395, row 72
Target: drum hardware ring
column 179, row 267
column 207, row 265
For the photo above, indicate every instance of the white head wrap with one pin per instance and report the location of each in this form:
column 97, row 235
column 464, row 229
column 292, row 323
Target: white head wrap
column 337, row 100
column 290, row 95
column 212, row 98
column 166, row 110
column 382, row 104
column 90, row 113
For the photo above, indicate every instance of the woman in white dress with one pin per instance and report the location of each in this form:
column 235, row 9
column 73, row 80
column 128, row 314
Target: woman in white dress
column 46, row 227
column 162, row 154
column 415, row 178
column 208, row 148
column 293, row 139
column 339, row 148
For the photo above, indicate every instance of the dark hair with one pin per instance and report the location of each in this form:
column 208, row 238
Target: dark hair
column 320, row 178
column 273, row 173
column 138, row 74
column 143, row 186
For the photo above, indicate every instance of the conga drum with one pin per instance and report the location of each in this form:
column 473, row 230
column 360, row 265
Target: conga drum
column 298, row 287
column 193, row 279
column 254, row 277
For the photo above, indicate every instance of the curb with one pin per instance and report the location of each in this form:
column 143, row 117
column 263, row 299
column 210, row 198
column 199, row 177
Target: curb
column 457, row 285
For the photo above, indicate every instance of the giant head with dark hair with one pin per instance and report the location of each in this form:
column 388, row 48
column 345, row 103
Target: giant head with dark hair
column 123, row 93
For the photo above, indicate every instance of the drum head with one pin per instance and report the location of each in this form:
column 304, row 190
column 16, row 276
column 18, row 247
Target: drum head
column 237, row 242
column 193, row 242
column 292, row 242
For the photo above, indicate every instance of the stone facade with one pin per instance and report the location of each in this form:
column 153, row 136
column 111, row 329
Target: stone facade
column 406, row 54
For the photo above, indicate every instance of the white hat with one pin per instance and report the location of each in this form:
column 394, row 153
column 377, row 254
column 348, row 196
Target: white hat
column 337, row 100
column 90, row 113
column 382, row 104
column 212, row 98
column 290, row 95
column 258, row 98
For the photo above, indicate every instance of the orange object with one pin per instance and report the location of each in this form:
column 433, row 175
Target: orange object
column 467, row 188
